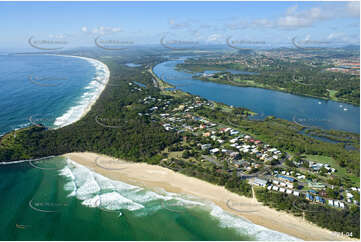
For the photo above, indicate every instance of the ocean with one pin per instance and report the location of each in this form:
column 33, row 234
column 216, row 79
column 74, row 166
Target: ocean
column 53, row 90
column 58, row 199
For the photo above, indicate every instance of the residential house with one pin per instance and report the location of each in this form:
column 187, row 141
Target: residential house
column 309, row 197
column 214, row 151
column 259, row 182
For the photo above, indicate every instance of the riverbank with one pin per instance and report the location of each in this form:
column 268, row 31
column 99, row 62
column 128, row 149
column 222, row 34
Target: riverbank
column 278, row 103
column 241, row 83
column 152, row 177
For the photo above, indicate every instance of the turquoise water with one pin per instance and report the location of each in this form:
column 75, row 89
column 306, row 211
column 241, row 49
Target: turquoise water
column 61, row 200
column 56, row 199
column 314, row 112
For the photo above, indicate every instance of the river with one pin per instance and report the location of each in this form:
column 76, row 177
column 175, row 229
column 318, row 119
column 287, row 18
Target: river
column 311, row 111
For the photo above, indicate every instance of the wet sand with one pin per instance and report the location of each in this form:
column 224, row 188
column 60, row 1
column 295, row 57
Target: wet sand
column 152, row 177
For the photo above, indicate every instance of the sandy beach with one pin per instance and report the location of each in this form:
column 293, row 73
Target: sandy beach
column 101, row 84
column 152, row 177
column 102, row 87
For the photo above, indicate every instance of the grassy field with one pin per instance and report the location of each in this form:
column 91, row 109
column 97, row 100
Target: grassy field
column 249, row 82
column 332, row 94
column 332, row 162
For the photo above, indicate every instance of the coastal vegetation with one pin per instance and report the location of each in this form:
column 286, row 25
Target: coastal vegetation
column 331, row 218
column 125, row 123
column 303, row 76
column 124, row 133
column 286, row 136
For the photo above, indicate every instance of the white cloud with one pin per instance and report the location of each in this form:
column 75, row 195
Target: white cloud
column 293, row 22
column 341, row 37
column 265, row 23
column 295, row 18
column 101, row 30
column 215, row 38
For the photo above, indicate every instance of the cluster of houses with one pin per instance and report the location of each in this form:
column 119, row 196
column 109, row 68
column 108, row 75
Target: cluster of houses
column 236, row 144
column 158, row 104
column 226, row 141
column 134, row 87
column 246, row 144
column 313, row 196
column 283, row 184
column 232, row 144
column 350, row 196
column 317, row 167
column 336, row 203
column 298, row 175
column 174, row 121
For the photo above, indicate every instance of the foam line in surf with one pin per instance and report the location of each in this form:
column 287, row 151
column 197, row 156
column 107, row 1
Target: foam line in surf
column 97, row 191
column 89, row 97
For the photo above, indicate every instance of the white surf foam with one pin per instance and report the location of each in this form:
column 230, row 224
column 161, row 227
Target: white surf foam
column 246, row 227
column 97, row 191
column 94, row 89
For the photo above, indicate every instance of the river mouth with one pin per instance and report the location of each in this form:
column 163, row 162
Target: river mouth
column 339, row 116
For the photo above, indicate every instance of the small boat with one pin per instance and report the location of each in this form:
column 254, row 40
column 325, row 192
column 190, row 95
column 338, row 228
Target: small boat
column 340, row 106
column 345, row 109
column 319, row 103
column 20, row 226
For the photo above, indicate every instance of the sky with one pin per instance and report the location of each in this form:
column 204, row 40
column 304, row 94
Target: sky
column 75, row 24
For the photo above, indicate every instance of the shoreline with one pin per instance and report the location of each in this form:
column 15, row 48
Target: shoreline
column 266, row 217
column 275, row 89
column 143, row 175
column 101, row 85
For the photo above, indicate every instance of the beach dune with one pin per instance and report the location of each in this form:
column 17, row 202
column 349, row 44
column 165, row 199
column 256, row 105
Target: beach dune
column 153, row 177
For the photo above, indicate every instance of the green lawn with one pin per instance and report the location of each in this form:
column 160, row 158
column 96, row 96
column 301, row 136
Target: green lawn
column 321, row 159
column 250, row 82
column 333, row 163
column 332, row 94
